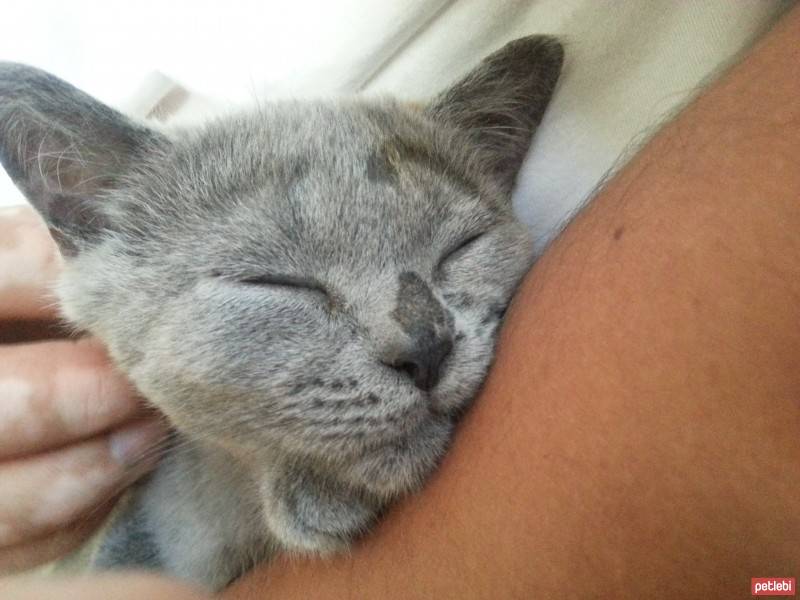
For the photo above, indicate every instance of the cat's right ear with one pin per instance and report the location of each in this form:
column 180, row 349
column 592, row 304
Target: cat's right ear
column 65, row 150
column 501, row 102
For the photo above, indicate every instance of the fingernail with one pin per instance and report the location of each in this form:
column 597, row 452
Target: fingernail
column 128, row 446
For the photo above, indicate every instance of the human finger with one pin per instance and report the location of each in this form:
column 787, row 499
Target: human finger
column 45, row 492
column 128, row 586
column 55, row 544
column 56, row 392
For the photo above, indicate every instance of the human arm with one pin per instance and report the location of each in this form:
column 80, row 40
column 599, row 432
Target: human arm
column 638, row 434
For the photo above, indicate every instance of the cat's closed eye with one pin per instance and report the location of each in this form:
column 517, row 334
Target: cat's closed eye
column 290, row 283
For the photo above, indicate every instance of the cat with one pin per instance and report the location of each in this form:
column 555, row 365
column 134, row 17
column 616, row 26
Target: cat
column 310, row 292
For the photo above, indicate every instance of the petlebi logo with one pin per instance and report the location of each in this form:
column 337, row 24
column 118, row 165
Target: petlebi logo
column 773, row 586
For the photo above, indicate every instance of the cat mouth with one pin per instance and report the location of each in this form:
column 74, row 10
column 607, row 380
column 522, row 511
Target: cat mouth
column 412, row 423
column 399, row 466
column 404, row 438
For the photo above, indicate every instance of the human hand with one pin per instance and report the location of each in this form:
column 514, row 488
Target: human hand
column 129, row 586
column 73, row 433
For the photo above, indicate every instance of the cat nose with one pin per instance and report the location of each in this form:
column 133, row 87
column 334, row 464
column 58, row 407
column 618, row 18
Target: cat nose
column 422, row 360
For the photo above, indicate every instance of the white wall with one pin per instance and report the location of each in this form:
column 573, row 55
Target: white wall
column 228, row 49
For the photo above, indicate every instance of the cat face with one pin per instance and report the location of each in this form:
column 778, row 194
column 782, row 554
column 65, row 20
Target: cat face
column 318, row 281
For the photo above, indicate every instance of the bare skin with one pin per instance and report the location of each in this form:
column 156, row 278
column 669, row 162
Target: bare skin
column 110, row 587
column 638, row 434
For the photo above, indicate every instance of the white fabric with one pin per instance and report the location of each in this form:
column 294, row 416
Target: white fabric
column 629, row 64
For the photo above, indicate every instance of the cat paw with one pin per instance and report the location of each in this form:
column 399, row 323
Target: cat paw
column 311, row 515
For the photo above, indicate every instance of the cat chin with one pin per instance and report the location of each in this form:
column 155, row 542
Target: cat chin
column 399, row 467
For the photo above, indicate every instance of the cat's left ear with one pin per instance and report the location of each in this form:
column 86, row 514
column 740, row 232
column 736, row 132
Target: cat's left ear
column 65, row 150
column 501, row 102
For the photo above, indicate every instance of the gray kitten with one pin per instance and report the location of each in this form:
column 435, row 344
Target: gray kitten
column 310, row 292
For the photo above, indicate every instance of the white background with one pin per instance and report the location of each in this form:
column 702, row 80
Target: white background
column 232, row 50
column 630, row 64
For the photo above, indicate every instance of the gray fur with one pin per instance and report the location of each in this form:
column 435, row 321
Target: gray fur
column 310, row 292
